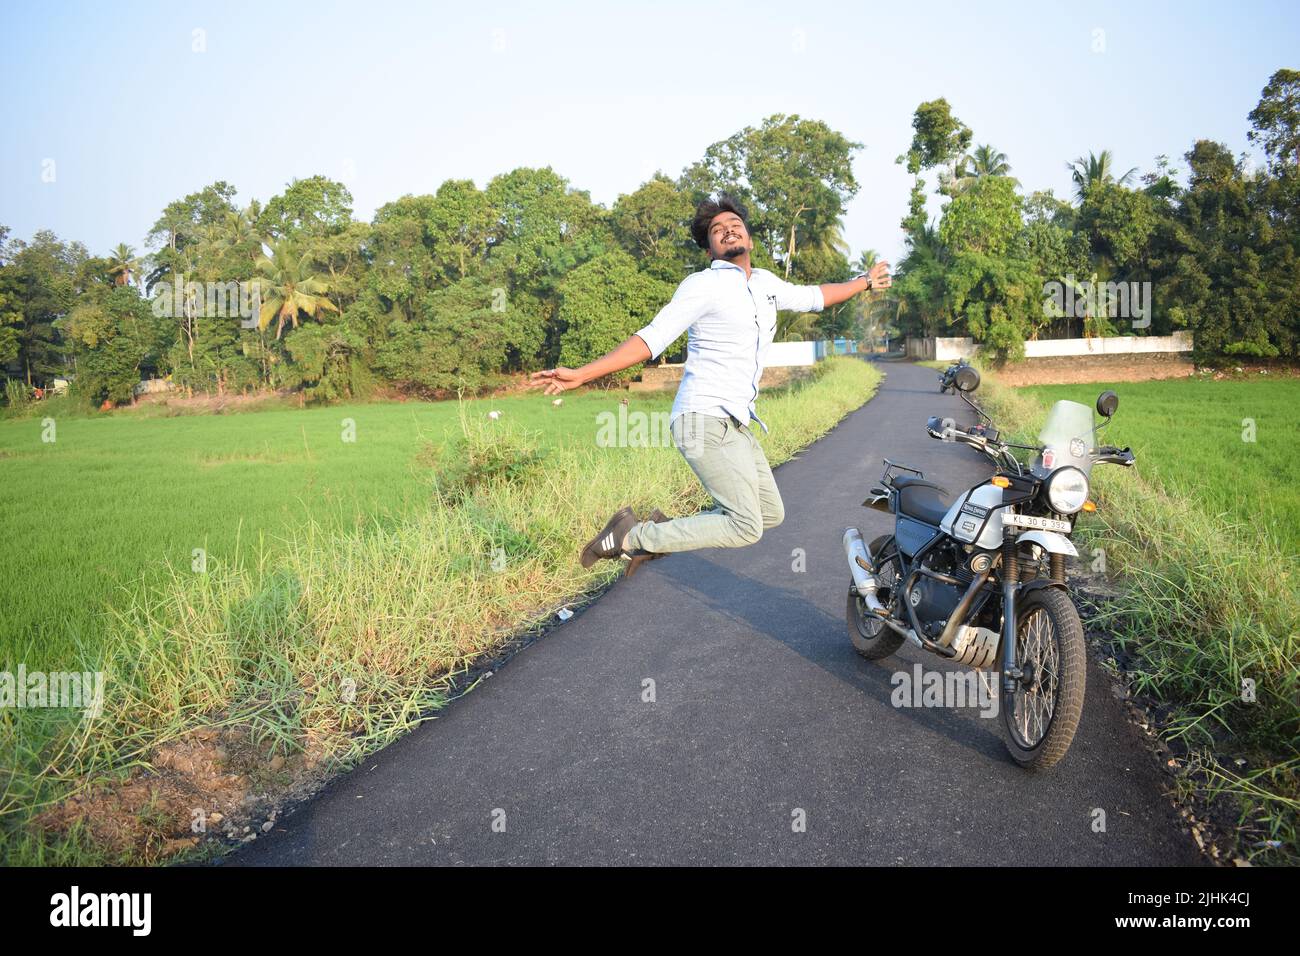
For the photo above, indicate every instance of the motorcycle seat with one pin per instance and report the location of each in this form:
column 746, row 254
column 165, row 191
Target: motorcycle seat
column 922, row 500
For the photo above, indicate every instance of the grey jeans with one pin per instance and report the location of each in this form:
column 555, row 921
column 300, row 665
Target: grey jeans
column 730, row 463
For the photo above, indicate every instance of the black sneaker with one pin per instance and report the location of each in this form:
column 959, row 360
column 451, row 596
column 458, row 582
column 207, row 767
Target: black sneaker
column 609, row 542
column 637, row 556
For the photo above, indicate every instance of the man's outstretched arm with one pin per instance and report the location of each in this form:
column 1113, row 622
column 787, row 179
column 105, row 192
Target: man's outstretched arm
column 833, row 293
column 689, row 301
column 626, row 355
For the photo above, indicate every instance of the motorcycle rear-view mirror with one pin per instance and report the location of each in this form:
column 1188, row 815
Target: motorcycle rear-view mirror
column 1107, row 402
column 967, row 379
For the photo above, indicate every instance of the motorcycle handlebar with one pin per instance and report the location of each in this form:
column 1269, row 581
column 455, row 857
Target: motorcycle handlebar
column 1106, row 454
column 1111, row 455
column 935, row 428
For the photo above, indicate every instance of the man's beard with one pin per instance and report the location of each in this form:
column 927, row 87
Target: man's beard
column 731, row 252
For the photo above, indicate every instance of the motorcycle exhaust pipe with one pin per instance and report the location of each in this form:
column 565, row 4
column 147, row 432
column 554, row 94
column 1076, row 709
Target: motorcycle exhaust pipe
column 860, row 560
column 864, row 582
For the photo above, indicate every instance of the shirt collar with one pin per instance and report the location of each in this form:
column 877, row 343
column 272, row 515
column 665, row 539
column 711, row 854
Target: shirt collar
column 724, row 264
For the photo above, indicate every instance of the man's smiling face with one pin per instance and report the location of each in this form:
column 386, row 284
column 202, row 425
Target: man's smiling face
column 728, row 237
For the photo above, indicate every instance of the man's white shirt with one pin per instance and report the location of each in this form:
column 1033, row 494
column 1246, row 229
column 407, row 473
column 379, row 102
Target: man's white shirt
column 729, row 323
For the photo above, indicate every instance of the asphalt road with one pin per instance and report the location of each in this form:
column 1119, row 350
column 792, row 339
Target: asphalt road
column 763, row 717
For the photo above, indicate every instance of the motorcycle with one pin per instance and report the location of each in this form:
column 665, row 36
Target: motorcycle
column 981, row 580
column 948, row 376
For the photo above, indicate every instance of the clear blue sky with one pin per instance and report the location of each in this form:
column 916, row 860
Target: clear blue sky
column 394, row 98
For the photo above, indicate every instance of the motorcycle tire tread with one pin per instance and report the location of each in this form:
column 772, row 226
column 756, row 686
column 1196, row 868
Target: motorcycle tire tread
column 1069, row 706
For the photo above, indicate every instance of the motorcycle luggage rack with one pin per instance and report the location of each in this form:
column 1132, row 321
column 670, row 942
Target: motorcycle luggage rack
column 887, row 478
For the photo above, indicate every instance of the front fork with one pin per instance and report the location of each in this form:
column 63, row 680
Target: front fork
column 1011, row 672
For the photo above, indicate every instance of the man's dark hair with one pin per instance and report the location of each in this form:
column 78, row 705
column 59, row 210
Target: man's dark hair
column 708, row 209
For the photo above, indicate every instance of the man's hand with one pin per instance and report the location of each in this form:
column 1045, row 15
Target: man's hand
column 556, row 380
column 561, row 379
column 833, row 293
column 879, row 276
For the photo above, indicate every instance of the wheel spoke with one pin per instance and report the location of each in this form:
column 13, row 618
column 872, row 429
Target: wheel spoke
column 1038, row 650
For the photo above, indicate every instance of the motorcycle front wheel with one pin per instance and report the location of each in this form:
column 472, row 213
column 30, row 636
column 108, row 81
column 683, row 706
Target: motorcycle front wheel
column 1043, row 713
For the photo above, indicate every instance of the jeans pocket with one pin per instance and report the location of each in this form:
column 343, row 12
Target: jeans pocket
column 696, row 433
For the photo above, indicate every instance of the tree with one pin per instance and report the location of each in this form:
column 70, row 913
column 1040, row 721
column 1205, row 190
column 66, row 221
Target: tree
column 1230, row 272
column 795, row 176
column 123, row 264
column 400, row 253
column 603, row 302
column 457, row 338
column 653, row 225
column 1057, row 254
column 315, row 207
column 1097, row 168
column 340, row 257
column 325, row 363
column 543, row 228
column 11, row 317
column 44, row 279
column 871, row 312
column 241, row 231
column 1276, row 120
column 985, row 218
column 939, row 139
column 459, row 223
column 985, row 161
column 180, row 224
column 290, row 284
column 1118, row 223
column 920, row 284
column 113, row 334
column 938, row 136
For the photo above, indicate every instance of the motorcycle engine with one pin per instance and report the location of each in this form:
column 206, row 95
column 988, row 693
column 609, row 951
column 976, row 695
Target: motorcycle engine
column 934, row 601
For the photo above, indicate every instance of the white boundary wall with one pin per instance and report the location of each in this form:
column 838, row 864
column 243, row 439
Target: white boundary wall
column 791, row 353
column 951, row 349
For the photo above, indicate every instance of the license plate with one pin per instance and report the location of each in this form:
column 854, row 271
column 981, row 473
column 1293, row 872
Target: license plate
column 1036, row 523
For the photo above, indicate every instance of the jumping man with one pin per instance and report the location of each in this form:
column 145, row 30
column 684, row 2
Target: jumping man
column 729, row 311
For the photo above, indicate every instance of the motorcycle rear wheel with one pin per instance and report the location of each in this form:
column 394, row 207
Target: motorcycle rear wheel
column 870, row 637
column 1041, row 719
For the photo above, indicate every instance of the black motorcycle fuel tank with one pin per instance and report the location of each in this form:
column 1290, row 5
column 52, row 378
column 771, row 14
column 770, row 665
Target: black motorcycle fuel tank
column 912, row 535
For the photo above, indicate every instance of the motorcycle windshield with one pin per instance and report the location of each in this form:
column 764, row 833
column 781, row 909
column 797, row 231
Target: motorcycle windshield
column 1067, row 438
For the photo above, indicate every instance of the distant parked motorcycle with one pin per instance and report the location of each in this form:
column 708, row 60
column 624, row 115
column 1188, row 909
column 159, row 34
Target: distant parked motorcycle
column 981, row 580
column 948, row 377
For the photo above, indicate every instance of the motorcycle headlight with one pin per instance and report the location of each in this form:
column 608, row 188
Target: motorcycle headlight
column 1067, row 490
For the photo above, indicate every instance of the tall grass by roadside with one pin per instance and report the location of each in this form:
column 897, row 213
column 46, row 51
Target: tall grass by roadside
column 117, row 495
column 338, row 643
column 1205, row 604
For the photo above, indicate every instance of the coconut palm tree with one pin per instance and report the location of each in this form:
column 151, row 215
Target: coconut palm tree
column 866, row 260
column 984, row 161
column 875, row 309
column 796, row 327
column 122, row 264
column 288, row 284
column 180, row 265
column 1097, row 168
column 825, row 246
column 829, row 241
column 987, row 161
column 241, row 227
